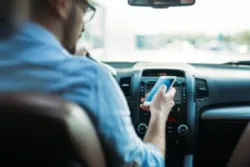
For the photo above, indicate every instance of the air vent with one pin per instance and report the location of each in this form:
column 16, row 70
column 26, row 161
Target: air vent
column 201, row 88
column 125, row 84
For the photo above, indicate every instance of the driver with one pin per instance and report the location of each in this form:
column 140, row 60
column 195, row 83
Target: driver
column 39, row 59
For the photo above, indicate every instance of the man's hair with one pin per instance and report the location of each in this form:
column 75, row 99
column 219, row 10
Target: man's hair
column 38, row 6
column 9, row 9
column 12, row 15
column 5, row 9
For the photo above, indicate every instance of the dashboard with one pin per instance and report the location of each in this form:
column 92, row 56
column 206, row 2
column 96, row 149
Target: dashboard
column 212, row 108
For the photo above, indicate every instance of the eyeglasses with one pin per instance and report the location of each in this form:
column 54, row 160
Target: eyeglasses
column 89, row 12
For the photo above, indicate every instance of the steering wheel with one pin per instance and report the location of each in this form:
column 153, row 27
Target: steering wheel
column 241, row 154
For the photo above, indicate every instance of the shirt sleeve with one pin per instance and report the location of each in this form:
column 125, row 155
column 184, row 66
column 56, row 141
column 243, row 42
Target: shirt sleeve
column 111, row 115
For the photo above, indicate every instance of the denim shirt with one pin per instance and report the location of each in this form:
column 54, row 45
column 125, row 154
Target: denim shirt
column 34, row 60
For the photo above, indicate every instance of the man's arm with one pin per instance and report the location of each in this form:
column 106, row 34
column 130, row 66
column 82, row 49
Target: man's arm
column 156, row 133
column 96, row 89
column 160, row 108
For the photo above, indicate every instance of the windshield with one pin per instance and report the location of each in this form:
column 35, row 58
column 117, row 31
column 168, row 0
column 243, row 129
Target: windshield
column 211, row 31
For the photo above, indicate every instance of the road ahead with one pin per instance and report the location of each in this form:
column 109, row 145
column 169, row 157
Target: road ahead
column 169, row 55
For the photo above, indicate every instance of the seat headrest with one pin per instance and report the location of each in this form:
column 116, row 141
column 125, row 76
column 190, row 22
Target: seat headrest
column 44, row 130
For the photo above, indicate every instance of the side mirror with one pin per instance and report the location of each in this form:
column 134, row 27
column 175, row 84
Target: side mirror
column 161, row 3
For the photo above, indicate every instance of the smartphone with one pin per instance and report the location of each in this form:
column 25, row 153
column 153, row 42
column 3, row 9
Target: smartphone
column 163, row 80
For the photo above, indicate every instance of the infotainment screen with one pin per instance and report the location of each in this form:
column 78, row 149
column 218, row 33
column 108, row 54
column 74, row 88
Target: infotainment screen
column 178, row 93
column 177, row 97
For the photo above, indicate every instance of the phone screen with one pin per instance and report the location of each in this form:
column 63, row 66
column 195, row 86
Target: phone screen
column 164, row 80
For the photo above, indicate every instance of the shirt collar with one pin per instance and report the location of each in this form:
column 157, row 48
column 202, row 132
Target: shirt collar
column 40, row 33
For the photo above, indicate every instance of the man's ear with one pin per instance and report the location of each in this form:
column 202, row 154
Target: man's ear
column 62, row 7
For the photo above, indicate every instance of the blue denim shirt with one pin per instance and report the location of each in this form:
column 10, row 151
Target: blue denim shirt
column 33, row 60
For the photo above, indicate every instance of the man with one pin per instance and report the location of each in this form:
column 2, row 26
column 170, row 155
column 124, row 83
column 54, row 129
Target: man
column 37, row 59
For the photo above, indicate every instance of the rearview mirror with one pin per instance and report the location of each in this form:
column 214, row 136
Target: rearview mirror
column 161, row 3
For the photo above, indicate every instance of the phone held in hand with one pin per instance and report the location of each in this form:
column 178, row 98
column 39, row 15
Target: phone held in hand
column 163, row 80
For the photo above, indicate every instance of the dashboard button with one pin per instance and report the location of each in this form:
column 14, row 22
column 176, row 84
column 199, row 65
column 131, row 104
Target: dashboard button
column 170, row 129
column 183, row 130
column 142, row 128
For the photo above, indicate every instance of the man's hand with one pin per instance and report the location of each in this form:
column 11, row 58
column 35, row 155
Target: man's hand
column 160, row 108
column 143, row 106
column 162, row 102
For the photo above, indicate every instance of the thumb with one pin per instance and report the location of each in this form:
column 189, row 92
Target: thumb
column 162, row 90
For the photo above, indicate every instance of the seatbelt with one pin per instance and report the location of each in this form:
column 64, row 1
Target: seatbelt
column 109, row 68
column 91, row 58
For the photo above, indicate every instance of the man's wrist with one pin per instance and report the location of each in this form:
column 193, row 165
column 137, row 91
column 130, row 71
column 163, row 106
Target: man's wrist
column 159, row 116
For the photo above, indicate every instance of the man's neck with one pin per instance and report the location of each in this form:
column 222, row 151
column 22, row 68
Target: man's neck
column 51, row 25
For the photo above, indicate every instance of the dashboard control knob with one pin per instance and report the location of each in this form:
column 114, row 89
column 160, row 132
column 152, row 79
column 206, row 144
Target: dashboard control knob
column 142, row 128
column 183, row 130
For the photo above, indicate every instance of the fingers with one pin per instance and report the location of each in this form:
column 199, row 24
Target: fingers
column 162, row 90
column 145, row 107
column 143, row 100
column 170, row 96
column 171, row 93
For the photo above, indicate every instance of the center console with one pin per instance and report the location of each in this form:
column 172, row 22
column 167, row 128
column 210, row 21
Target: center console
column 177, row 126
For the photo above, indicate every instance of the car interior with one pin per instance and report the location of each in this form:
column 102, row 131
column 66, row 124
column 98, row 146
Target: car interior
column 208, row 126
